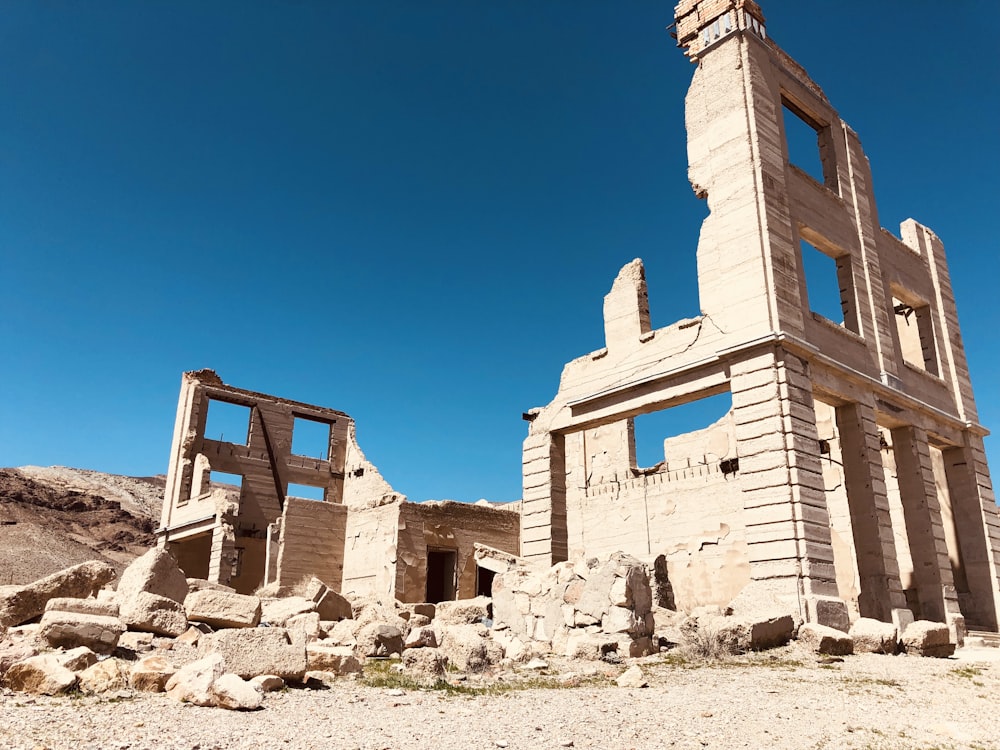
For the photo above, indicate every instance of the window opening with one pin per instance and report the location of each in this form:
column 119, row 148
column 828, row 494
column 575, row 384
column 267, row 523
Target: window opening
column 828, row 285
column 311, row 438
column 653, row 430
column 227, row 422
column 231, row 483
column 804, row 141
column 916, row 335
column 441, row 566
column 484, row 582
column 306, row 491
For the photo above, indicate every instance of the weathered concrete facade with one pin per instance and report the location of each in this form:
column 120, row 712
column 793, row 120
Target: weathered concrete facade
column 362, row 537
column 849, row 478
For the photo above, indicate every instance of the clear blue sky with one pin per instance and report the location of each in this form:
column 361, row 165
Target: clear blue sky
column 409, row 211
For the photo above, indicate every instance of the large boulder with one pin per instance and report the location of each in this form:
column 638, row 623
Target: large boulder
column 277, row 612
column 76, row 659
column 40, row 675
column 151, row 613
column 768, row 621
column 223, row 609
column 105, row 676
column 874, row 636
column 249, row 652
column 24, row 603
column 329, row 604
column 824, row 640
column 192, row 683
column 379, row 639
column 468, row 648
column 463, row 611
column 339, row 660
column 69, row 623
column 926, row 638
column 155, row 572
column 426, row 666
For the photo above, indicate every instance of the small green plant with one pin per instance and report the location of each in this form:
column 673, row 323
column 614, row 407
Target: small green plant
column 967, row 672
column 381, row 675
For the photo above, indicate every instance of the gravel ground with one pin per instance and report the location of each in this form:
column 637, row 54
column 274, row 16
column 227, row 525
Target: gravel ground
column 783, row 699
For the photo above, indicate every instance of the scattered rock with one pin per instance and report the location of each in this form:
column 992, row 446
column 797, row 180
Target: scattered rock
column 99, row 633
column 421, row 637
column 379, row 639
column 268, row 683
column 874, row 637
column 105, row 676
column 278, row 612
column 155, row 572
column 925, row 638
column 151, row 674
column 223, row 609
column 338, row 660
column 40, row 675
column 152, row 613
column 192, row 683
column 425, row 665
column 463, row 611
column 249, row 652
column 824, row 640
column 230, row 691
column 632, row 678
column 76, row 659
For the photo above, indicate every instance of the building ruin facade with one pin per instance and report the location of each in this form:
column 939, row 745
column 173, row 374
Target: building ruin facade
column 848, row 478
column 232, row 513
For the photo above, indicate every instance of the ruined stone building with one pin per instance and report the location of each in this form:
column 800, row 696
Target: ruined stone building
column 232, row 511
column 848, row 479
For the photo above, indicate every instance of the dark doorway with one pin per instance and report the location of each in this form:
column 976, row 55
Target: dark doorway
column 440, row 575
column 484, row 582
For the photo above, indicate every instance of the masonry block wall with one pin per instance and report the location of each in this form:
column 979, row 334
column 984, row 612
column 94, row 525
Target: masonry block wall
column 862, row 487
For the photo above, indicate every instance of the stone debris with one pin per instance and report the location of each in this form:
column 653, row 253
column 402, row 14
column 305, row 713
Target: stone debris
column 98, row 632
column 874, row 636
column 268, row 683
column 108, row 676
column 463, row 611
column 231, row 692
column 426, row 666
column 155, row 572
column 337, row 660
column 421, row 637
column 924, row 638
column 40, row 675
column 151, row 674
column 824, row 640
column 223, row 609
column 25, row 603
column 632, row 678
column 152, row 613
column 249, row 652
column 379, row 639
column 192, row 683
column 76, row 659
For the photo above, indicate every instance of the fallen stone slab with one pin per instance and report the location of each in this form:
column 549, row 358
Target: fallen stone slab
column 99, row 633
column 463, row 611
column 468, row 648
column 339, row 660
column 824, row 640
column 136, row 642
column 223, row 609
column 874, row 636
column 151, row 613
column 25, row 603
column 99, row 607
column 422, row 637
column 106, row 676
column 329, row 604
column 76, row 659
column 277, row 612
column 39, row 675
column 249, row 652
column 231, row 692
column 155, row 572
column 926, row 638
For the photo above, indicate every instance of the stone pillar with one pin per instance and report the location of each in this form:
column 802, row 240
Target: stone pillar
column 881, row 592
column 978, row 527
column 223, row 559
column 788, row 526
column 543, row 506
column 932, row 572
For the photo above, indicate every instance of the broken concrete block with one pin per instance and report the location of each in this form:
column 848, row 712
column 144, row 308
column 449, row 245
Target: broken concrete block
column 104, row 677
column 151, row 613
column 249, row 652
column 377, row 639
column 425, row 665
column 463, row 611
column 71, row 629
column 231, row 692
column 155, row 572
column 874, row 637
column 925, row 638
column 222, row 609
column 150, row 674
column 39, row 675
column 25, row 603
column 339, row 660
column 192, row 682
column 277, row 612
column 76, row 659
column 824, row 640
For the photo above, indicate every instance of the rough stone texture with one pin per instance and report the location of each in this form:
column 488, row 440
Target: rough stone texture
column 339, row 660
column 268, row 683
column 249, row 652
column 468, row 648
column 632, row 677
column 11, row 653
column 151, row 613
column 136, row 642
column 99, row 607
column 277, row 612
column 76, row 659
column 156, row 572
column 874, row 637
column 222, row 609
column 376, row 639
column 231, row 692
column 463, row 611
column 70, row 629
column 105, row 676
column 824, row 640
column 304, row 628
column 192, row 683
column 41, row 675
column 151, row 674
column 425, row 665
column 422, row 637
column 25, row 603
column 924, row 638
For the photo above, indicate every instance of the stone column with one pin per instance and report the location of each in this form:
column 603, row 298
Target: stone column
column 788, row 526
column 978, row 527
column 543, row 506
column 881, row 592
column 932, row 573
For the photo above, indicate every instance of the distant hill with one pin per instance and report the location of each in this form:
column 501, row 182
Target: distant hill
column 54, row 517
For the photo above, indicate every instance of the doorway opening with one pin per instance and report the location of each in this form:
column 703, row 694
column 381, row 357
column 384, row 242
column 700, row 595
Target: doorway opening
column 441, row 567
column 484, row 581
